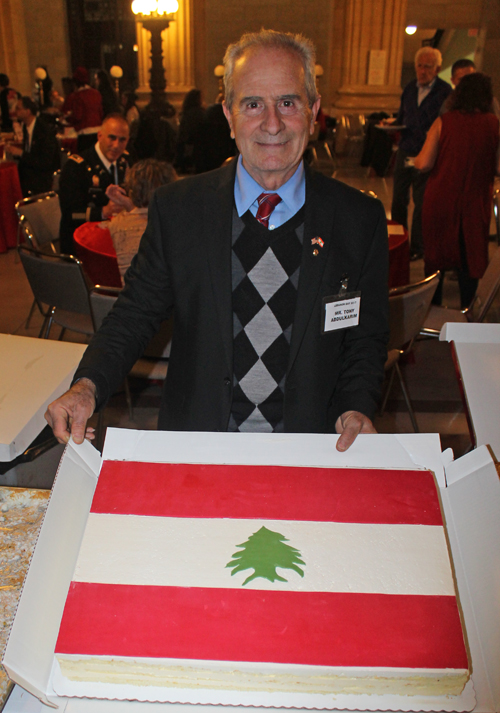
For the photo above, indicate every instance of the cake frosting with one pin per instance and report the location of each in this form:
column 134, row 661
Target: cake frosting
column 259, row 578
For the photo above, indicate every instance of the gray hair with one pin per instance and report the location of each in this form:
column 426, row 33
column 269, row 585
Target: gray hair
column 438, row 57
column 299, row 45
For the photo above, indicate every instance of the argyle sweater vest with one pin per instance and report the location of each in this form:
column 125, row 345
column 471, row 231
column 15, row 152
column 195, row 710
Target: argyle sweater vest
column 265, row 278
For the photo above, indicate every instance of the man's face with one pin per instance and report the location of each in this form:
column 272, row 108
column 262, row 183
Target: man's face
column 426, row 68
column 271, row 119
column 459, row 73
column 113, row 138
column 22, row 113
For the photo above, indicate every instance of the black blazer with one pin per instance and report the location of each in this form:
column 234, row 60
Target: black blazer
column 36, row 166
column 184, row 262
column 419, row 119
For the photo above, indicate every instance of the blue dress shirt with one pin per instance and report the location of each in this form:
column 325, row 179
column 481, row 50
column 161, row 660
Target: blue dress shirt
column 292, row 194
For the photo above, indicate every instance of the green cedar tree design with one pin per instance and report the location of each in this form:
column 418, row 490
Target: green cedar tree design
column 263, row 552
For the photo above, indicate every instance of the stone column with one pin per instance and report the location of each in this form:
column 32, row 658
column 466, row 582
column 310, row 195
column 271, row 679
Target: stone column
column 372, row 55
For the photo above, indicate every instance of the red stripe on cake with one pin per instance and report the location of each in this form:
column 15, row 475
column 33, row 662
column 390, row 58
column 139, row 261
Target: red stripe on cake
column 325, row 629
column 268, row 492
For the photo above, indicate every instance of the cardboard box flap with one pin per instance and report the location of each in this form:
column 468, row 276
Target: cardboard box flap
column 29, row 652
column 472, row 507
column 405, row 451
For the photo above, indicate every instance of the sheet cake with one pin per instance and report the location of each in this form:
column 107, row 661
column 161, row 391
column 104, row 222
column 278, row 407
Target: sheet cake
column 260, row 578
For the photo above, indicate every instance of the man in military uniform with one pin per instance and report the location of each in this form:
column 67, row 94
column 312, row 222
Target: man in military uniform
column 85, row 178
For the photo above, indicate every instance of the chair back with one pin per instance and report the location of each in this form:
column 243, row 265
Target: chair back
column 486, row 291
column 57, row 280
column 102, row 300
column 356, row 125
column 40, row 217
column 408, row 308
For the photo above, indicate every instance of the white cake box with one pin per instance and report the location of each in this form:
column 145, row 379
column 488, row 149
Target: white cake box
column 470, row 493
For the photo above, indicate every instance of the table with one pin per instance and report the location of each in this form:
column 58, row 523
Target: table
column 94, row 247
column 33, row 372
column 10, row 194
column 470, row 499
column 399, row 254
column 476, row 353
column 22, row 511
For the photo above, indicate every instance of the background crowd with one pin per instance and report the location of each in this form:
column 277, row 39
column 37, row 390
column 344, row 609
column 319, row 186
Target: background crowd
column 447, row 155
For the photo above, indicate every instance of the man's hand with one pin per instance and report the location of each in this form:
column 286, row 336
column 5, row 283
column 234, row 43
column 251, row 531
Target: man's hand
column 68, row 415
column 13, row 150
column 118, row 196
column 110, row 209
column 349, row 425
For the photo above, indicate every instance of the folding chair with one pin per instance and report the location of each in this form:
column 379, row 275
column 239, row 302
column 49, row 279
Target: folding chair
column 408, row 308
column 39, row 219
column 59, row 282
column 154, row 364
column 486, row 292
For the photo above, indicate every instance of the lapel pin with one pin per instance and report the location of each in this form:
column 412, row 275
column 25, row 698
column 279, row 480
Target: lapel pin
column 317, row 241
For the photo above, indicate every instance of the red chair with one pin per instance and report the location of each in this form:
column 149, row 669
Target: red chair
column 94, row 248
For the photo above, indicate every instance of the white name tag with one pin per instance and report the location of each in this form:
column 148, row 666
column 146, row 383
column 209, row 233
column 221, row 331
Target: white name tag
column 341, row 312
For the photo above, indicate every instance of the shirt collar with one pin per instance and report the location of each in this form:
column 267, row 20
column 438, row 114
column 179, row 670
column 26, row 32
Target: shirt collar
column 103, row 158
column 247, row 190
column 427, row 87
column 30, row 128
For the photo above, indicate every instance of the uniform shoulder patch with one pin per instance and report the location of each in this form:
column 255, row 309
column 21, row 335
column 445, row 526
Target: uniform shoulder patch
column 75, row 157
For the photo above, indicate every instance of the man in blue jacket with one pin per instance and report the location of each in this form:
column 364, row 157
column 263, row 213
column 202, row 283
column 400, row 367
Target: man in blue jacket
column 421, row 102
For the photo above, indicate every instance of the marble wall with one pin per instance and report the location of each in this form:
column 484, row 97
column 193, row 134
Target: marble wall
column 344, row 31
column 33, row 32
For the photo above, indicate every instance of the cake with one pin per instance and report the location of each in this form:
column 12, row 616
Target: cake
column 254, row 578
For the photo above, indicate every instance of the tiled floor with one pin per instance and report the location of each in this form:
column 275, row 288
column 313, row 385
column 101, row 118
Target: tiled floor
column 429, row 373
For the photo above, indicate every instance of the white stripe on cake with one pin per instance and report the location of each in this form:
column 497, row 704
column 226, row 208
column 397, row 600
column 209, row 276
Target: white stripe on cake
column 338, row 557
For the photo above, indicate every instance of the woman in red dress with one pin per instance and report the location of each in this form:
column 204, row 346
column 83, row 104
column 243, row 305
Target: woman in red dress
column 461, row 149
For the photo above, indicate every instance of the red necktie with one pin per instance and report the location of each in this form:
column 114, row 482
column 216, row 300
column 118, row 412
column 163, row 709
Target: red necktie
column 267, row 203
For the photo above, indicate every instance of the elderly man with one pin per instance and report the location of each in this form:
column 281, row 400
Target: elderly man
column 86, row 177
column 421, row 102
column 39, row 157
column 277, row 275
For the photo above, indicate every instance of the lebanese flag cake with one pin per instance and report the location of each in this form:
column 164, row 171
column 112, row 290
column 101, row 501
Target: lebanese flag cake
column 265, row 578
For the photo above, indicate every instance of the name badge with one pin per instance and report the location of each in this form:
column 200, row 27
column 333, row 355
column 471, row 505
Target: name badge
column 341, row 311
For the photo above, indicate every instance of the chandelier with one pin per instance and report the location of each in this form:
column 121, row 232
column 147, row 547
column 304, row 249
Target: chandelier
column 154, row 8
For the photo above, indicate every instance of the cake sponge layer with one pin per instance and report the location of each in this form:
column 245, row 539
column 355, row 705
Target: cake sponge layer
column 244, row 677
